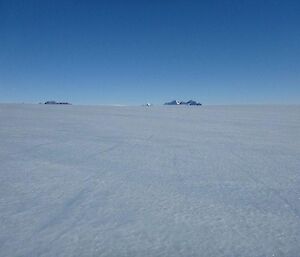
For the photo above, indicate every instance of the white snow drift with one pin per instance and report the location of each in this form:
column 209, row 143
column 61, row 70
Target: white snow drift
column 161, row 181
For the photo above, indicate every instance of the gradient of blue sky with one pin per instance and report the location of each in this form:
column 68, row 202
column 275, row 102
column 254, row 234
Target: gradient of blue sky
column 131, row 52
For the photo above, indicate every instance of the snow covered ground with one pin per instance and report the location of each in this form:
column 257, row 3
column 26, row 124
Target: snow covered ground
column 159, row 181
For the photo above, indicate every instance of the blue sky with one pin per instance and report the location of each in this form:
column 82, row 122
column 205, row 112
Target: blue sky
column 132, row 52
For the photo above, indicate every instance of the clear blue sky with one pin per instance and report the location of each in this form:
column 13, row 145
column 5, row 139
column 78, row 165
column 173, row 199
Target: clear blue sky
column 132, row 52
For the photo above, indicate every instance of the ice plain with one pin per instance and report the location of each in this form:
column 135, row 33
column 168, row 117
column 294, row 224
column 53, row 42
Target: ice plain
column 159, row 181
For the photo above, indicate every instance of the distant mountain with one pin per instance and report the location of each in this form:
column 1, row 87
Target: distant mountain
column 190, row 102
column 54, row 102
column 174, row 102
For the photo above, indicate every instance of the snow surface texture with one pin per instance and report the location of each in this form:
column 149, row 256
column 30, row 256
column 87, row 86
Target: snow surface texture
column 161, row 181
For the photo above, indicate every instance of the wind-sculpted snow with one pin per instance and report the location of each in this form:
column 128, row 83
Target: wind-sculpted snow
column 159, row 181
